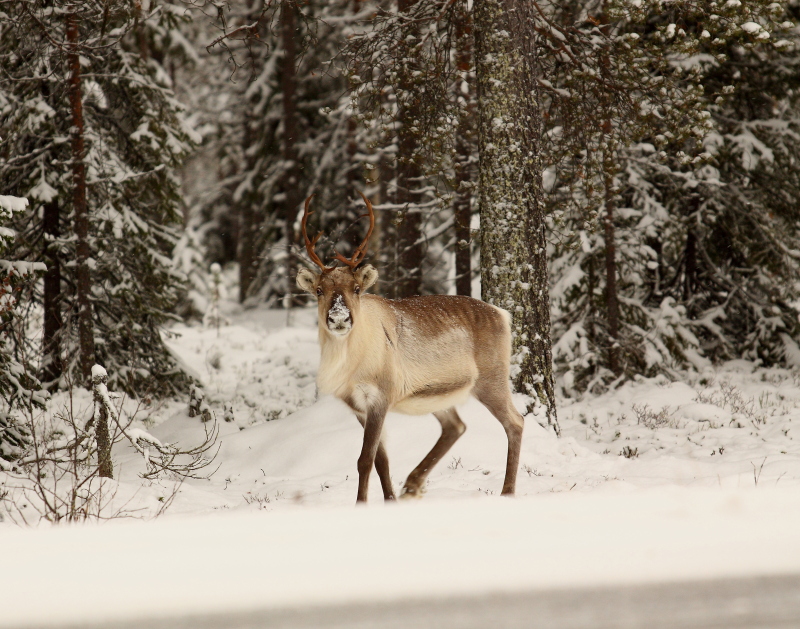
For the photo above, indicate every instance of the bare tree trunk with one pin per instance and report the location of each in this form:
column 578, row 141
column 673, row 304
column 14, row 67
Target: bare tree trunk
column 591, row 282
column 513, row 255
column 291, row 177
column 612, row 303
column 609, row 169
column 409, row 235
column 464, row 141
column 141, row 35
column 388, row 249
column 80, row 209
column 248, row 261
column 51, row 334
column 105, row 466
column 690, row 257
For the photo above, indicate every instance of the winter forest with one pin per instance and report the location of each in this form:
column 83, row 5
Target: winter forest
column 621, row 176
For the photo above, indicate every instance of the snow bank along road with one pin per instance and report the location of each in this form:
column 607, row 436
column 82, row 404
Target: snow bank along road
column 660, row 557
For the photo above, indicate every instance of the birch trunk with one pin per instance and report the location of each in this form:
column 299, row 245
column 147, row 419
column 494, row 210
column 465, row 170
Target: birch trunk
column 513, row 254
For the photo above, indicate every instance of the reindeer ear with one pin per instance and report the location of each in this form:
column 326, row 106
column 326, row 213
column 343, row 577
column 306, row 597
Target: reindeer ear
column 366, row 276
column 307, row 280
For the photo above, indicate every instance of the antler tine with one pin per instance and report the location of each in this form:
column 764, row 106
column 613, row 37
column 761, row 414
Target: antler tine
column 361, row 251
column 311, row 243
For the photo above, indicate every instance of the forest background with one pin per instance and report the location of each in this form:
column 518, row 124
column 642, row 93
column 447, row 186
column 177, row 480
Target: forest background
column 637, row 160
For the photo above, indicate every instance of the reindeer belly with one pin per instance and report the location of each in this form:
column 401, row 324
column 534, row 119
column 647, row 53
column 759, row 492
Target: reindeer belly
column 434, row 397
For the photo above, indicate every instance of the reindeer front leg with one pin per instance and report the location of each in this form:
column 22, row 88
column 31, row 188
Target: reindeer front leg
column 373, row 426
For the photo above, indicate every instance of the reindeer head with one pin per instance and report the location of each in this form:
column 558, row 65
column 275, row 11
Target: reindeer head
column 338, row 289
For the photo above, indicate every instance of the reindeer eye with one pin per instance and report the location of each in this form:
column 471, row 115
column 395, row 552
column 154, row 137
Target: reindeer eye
column 319, row 292
column 357, row 290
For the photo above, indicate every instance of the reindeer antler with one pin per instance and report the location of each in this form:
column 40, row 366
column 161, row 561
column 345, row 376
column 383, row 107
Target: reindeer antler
column 310, row 244
column 358, row 254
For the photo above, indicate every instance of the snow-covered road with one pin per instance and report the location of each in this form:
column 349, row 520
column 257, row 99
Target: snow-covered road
column 314, row 557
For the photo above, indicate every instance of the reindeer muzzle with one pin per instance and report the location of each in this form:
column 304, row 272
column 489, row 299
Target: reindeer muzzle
column 339, row 319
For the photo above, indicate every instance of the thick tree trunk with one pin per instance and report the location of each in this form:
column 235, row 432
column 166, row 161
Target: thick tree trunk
column 410, row 249
column 464, row 141
column 51, row 334
column 292, row 177
column 513, row 255
column 79, row 207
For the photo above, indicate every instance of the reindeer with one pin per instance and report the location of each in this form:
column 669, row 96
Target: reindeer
column 415, row 356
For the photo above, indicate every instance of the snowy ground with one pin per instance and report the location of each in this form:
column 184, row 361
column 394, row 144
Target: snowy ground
column 733, row 427
column 715, row 453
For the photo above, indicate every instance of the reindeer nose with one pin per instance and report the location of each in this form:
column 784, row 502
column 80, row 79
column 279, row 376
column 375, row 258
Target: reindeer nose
column 339, row 315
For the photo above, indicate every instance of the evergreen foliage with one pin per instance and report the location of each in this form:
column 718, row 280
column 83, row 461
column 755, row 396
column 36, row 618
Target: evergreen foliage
column 135, row 136
column 19, row 388
column 662, row 163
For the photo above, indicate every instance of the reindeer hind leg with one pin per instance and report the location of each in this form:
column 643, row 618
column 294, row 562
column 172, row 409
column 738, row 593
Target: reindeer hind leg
column 452, row 429
column 498, row 400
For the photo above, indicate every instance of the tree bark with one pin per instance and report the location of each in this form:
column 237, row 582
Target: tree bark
column 513, row 255
column 248, row 261
column 105, row 465
column 612, row 302
column 387, row 254
column 609, row 170
column 51, row 334
column 410, row 250
column 292, row 176
column 463, row 144
column 79, row 206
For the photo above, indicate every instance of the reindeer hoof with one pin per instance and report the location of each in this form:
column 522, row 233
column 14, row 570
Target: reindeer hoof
column 411, row 493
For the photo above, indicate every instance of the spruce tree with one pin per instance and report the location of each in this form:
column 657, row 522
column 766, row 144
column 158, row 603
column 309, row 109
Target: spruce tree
column 19, row 387
column 84, row 105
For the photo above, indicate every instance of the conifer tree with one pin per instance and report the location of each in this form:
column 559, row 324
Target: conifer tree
column 19, row 387
column 513, row 254
column 113, row 240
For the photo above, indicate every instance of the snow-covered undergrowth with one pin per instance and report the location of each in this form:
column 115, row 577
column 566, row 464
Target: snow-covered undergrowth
column 730, row 427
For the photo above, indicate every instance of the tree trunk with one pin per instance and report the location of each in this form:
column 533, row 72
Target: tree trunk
column 79, row 207
column 464, row 141
column 51, row 334
column 248, row 261
column 612, row 303
column 691, row 265
column 591, row 282
column 291, row 180
column 609, row 170
column 105, row 465
column 513, row 255
column 409, row 248
column 387, row 255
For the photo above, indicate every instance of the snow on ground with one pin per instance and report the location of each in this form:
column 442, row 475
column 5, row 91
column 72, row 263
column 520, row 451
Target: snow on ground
column 302, row 557
column 732, row 427
column 721, row 438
